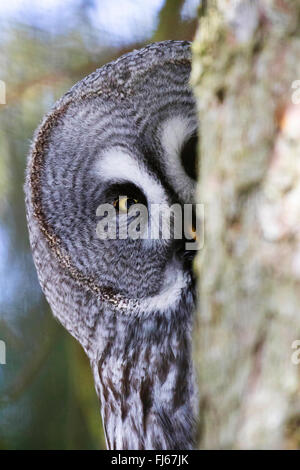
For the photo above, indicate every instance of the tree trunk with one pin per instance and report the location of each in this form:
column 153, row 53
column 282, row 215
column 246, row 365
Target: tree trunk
column 246, row 60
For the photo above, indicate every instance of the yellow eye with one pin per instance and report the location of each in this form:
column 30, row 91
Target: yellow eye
column 123, row 203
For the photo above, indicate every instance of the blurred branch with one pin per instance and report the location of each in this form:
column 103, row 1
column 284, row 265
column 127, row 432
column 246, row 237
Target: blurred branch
column 171, row 25
column 169, row 20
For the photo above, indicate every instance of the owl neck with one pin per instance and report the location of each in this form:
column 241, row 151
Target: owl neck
column 144, row 378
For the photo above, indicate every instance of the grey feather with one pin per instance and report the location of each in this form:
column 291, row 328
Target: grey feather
column 114, row 296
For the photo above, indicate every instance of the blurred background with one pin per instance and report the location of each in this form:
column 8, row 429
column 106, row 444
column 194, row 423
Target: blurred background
column 47, row 397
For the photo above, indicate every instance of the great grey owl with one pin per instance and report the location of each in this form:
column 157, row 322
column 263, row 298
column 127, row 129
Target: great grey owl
column 125, row 134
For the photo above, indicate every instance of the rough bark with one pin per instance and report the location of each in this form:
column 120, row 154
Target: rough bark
column 246, row 58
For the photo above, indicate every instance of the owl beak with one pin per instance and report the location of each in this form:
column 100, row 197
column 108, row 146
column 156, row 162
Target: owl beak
column 186, row 248
column 192, row 232
column 185, row 255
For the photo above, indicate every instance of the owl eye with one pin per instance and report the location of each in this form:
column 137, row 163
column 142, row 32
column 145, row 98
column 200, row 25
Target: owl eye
column 188, row 156
column 123, row 203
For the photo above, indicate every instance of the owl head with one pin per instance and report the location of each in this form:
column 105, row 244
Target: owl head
column 114, row 150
